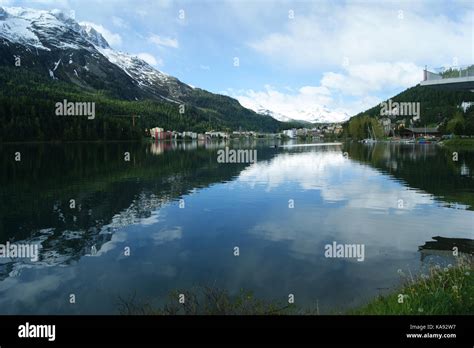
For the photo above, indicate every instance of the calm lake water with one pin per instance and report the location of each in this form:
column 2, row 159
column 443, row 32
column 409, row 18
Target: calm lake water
column 393, row 199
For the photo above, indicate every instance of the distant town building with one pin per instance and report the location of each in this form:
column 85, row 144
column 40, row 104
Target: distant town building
column 176, row 135
column 158, row 133
column 466, row 105
column 217, row 135
column 291, row 133
column 301, row 132
column 338, row 129
column 243, row 134
column 190, row 135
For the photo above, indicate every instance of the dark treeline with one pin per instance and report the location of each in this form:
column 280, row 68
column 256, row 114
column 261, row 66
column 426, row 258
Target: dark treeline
column 27, row 112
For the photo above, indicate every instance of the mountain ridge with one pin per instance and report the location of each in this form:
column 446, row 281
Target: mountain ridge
column 55, row 48
column 54, row 31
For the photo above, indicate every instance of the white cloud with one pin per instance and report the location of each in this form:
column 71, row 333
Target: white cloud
column 141, row 13
column 163, row 41
column 112, row 38
column 58, row 3
column 361, row 52
column 366, row 78
column 361, row 33
column 119, row 22
column 150, row 59
column 363, row 81
column 309, row 103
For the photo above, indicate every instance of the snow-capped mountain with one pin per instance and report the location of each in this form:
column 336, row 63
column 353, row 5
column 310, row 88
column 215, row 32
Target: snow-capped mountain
column 275, row 115
column 54, row 43
column 312, row 115
column 322, row 114
column 147, row 77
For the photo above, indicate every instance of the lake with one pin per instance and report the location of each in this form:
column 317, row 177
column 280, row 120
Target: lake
column 172, row 217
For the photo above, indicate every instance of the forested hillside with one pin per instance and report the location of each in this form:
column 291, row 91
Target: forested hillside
column 27, row 112
column 437, row 107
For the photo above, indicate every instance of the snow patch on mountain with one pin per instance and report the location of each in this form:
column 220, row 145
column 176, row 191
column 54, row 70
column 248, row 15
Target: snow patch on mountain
column 35, row 27
column 3, row 14
column 56, row 64
column 18, row 29
column 136, row 68
column 321, row 114
column 47, row 30
column 277, row 116
column 93, row 36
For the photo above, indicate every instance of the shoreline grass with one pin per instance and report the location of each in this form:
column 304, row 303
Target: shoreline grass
column 459, row 143
column 443, row 291
column 206, row 300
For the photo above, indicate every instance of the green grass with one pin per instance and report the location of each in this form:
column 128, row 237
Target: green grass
column 443, row 291
column 459, row 143
column 205, row 300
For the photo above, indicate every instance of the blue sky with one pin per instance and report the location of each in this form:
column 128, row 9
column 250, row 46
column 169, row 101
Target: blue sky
column 294, row 56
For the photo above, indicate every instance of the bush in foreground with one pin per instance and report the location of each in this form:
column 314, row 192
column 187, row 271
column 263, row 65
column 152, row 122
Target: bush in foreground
column 205, row 300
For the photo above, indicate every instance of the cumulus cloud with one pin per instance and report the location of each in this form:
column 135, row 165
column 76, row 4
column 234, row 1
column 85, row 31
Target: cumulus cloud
column 58, row 3
column 119, row 22
column 363, row 50
column 163, row 41
column 309, row 103
column 150, row 59
column 368, row 78
column 360, row 52
column 361, row 81
column 360, row 34
column 112, row 38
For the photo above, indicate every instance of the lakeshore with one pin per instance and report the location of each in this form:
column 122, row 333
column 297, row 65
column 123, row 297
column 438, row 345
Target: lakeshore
column 460, row 143
column 176, row 206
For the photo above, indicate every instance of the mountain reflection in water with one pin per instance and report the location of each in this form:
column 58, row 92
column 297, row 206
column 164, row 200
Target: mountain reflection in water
column 353, row 198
